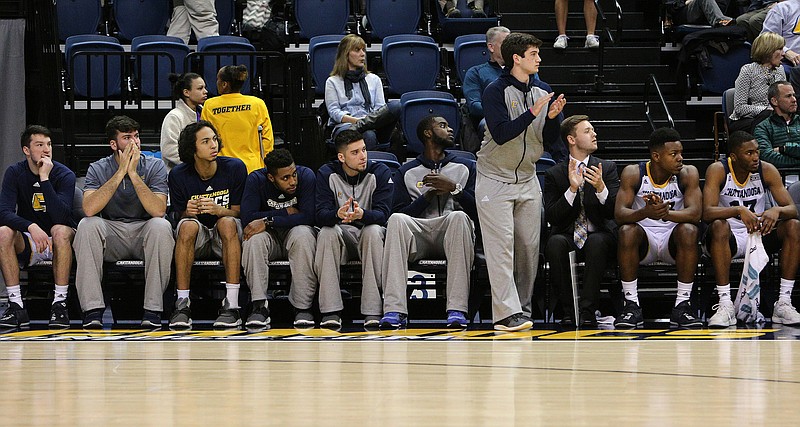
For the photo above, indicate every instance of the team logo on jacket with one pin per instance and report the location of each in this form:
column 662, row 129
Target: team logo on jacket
column 37, row 202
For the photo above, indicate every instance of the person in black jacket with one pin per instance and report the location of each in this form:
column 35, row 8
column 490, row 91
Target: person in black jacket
column 579, row 196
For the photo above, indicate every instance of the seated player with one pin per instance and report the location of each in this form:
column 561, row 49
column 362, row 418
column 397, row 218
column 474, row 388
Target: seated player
column 734, row 205
column 354, row 199
column 206, row 191
column 278, row 213
column 36, row 224
column 434, row 216
column 658, row 207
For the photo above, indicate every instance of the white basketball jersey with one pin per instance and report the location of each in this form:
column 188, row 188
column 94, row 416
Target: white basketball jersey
column 669, row 192
column 750, row 193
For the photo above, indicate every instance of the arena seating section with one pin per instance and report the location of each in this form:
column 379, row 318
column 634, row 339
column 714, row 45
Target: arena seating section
column 629, row 87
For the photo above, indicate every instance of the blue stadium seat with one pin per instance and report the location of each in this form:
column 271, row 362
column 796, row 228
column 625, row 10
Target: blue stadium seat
column 384, row 157
column 450, row 28
column 725, row 68
column 391, row 17
column 411, row 62
column 320, row 17
column 226, row 15
column 469, row 50
column 77, row 17
column 226, row 46
column 141, row 17
column 150, row 76
column 322, row 54
column 414, row 106
column 100, row 76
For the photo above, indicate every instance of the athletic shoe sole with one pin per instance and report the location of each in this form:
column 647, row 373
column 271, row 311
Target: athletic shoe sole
column 303, row 324
column 524, row 326
column 624, row 325
column 257, row 323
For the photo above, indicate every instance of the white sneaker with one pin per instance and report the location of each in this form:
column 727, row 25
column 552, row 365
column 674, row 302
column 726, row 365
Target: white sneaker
column 592, row 42
column 724, row 317
column 785, row 314
column 561, row 42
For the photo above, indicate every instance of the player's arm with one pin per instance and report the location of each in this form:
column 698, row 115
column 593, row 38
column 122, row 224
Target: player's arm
column 786, row 208
column 692, row 198
column 94, row 200
column 623, row 212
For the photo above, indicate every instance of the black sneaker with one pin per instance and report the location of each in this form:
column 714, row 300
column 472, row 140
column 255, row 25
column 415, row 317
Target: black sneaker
column 631, row 317
column 259, row 317
column 151, row 319
column 683, row 318
column 372, row 323
column 182, row 316
column 15, row 317
column 515, row 322
column 59, row 315
column 588, row 319
column 93, row 319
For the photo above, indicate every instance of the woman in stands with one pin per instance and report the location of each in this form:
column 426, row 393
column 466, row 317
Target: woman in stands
column 354, row 96
column 190, row 91
column 751, row 105
column 242, row 121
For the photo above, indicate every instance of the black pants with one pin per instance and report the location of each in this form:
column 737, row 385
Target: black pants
column 598, row 253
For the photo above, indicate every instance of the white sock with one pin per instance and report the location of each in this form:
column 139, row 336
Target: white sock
column 232, row 294
column 629, row 290
column 684, row 292
column 60, row 293
column 183, row 293
column 724, row 293
column 14, row 295
column 784, row 296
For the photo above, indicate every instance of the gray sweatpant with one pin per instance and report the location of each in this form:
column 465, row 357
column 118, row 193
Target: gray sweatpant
column 197, row 15
column 298, row 245
column 510, row 216
column 341, row 243
column 409, row 239
column 99, row 240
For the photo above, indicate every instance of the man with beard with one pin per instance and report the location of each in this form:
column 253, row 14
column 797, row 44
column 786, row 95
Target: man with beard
column 278, row 214
column 125, row 200
column 735, row 205
column 434, row 214
column 36, row 224
column 354, row 199
column 206, row 191
column 658, row 207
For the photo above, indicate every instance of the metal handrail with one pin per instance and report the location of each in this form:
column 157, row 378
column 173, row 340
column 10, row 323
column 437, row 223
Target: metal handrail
column 651, row 81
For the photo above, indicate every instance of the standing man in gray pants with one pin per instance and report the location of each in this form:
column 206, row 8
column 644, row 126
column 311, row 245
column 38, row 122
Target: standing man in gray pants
column 199, row 16
column 507, row 192
column 125, row 200
column 433, row 216
column 278, row 212
column 354, row 199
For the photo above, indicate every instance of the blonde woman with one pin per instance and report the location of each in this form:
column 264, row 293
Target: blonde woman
column 354, row 96
column 751, row 104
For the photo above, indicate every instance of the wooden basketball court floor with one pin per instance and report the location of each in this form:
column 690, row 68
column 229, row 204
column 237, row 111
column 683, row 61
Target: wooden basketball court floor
column 418, row 377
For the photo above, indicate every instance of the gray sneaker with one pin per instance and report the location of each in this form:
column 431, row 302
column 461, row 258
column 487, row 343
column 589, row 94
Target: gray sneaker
column 182, row 316
column 228, row 317
column 784, row 313
column 513, row 323
column 331, row 321
column 303, row 319
column 259, row 317
column 372, row 322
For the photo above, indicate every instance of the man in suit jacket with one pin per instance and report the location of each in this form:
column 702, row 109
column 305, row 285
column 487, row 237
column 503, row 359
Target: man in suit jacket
column 579, row 196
